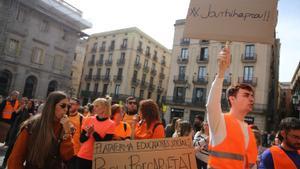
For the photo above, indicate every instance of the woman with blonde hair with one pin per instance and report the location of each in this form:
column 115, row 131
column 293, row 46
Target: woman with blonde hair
column 45, row 139
column 95, row 128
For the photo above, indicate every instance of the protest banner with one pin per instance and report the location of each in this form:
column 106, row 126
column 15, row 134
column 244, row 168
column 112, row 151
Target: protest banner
column 232, row 20
column 169, row 153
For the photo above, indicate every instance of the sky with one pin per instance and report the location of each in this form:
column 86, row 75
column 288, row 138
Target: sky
column 157, row 17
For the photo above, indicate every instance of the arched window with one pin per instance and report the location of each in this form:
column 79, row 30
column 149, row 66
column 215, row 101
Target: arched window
column 30, row 87
column 5, row 82
column 52, row 87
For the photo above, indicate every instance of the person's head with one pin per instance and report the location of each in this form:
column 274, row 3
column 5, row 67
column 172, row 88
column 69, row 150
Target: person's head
column 14, row 95
column 185, row 129
column 149, row 111
column 24, row 101
column 177, row 124
column 42, row 126
column 75, row 104
column 131, row 105
column 205, row 128
column 278, row 139
column 30, row 104
column 241, row 97
column 102, row 106
column 116, row 113
column 257, row 134
column 290, row 132
column 198, row 119
column 173, row 122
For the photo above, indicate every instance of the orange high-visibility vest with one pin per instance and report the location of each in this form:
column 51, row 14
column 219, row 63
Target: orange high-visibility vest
column 231, row 153
column 9, row 109
column 281, row 159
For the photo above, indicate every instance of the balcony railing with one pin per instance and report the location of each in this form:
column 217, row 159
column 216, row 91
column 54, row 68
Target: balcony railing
column 202, row 59
column 204, row 42
column 123, row 47
column 135, row 82
column 91, row 63
column 108, row 62
column 151, row 87
column 184, row 42
column 249, row 80
column 153, row 72
column 227, row 81
column 137, row 65
column 111, row 48
column 117, row 78
column 202, row 80
column 105, row 78
column 180, row 79
column 97, row 77
column 198, row 102
column 144, row 85
column 94, row 50
column 160, row 89
column 120, row 62
column 140, row 49
column 99, row 62
column 249, row 57
column 146, row 69
column 102, row 49
column 177, row 99
column 161, row 75
column 181, row 60
column 88, row 77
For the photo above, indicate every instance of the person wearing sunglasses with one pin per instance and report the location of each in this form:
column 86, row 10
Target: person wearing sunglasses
column 131, row 110
column 287, row 154
column 45, row 139
column 95, row 128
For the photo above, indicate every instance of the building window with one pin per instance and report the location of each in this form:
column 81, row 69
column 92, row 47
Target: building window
column 71, row 74
column 199, row 95
column 122, row 57
column 13, row 46
column 107, row 73
column 90, row 72
column 135, row 74
column 65, row 35
column 20, row 15
column 141, row 94
column 147, row 50
column 204, row 53
column 58, row 62
column 146, row 63
column 105, row 89
column 96, row 87
column 103, row 45
column 37, row 55
column 44, row 26
column 155, row 53
column 140, row 45
column 182, row 72
column 132, row 93
column 144, row 78
column 124, row 44
column 87, row 87
column 184, row 53
column 101, row 57
column 248, row 73
column 137, row 59
column 120, row 72
column 180, row 94
column 112, row 45
column 75, row 56
column 202, row 72
column 117, row 89
column 110, row 57
column 98, row 71
column 149, row 95
column 249, row 51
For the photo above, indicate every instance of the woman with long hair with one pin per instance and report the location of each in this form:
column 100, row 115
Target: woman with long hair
column 44, row 141
column 95, row 128
column 123, row 129
column 149, row 126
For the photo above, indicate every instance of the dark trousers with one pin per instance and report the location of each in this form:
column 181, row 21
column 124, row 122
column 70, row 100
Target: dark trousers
column 83, row 163
column 201, row 164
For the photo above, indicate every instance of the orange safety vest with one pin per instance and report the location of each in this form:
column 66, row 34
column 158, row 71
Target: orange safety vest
column 281, row 159
column 231, row 153
column 9, row 109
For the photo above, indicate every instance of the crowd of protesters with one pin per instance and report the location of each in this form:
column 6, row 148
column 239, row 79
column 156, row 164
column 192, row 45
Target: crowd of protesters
column 60, row 134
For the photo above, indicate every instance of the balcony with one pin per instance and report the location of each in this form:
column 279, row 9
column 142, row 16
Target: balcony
column 202, row 80
column 94, row 50
column 137, row 65
column 148, row 54
column 111, row 48
column 108, row 62
column 185, row 42
column 159, row 89
column 179, row 100
column 153, row 72
column 88, row 77
column 123, row 47
column 181, row 79
column 163, row 62
column 91, row 63
column 151, row 87
column 249, row 80
column 204, row 42
column 121, row 62
column 146, row 69
column 144, row 85
column 118, row 78
column 105, row 78
column 202, row 59
column 198, row 102
column 85, row 93
column 227, row 81
column 102, row 49
column 249, row 57
column 162, row 76
column 140, row 50
column 135, row 82
column 181, row 60
column 155, row 58
column 99, row 62
column 97, row 77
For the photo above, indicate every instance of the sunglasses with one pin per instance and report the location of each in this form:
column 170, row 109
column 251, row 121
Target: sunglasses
column 131, row 102
column 64, row 105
